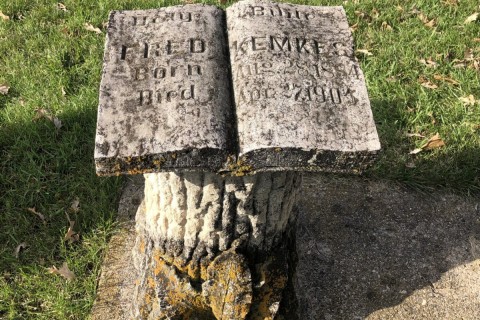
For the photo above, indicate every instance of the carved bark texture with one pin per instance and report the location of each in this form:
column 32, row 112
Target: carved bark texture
column 212, row 247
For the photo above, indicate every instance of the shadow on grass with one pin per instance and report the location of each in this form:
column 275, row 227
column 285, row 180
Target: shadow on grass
column 43, row 171
column 452, row 167
column 364, row 246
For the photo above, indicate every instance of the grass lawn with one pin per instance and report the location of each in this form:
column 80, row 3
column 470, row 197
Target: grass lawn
column 420, row 58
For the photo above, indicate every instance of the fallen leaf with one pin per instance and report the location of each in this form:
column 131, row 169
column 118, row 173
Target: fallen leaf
column 61, row 6
column 399, row 8
column 359, row 14
column 354, row 27
column 63, row 92
column 471, row 18
column 459, row 63
column 433, row 143
column 385, row 26
column 3, row 16
column 416, row 135
column 446, row 79
column 63, row 271
column 426, row 83
column 75, row 205
column 43, row 113
column 222, row 1
column 468, row 100
column 21, row 246
column 57, row 123
column 89, row 27
column 4, row 89
column 415, row 151
column 364, row 51
column 468, row 54
column 430, row 24
column 476, row 39
column 38, row 214
column 374, row 13
column 429, row 63
column 71, row 236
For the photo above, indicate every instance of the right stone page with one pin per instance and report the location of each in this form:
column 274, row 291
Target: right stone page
column 300, row 96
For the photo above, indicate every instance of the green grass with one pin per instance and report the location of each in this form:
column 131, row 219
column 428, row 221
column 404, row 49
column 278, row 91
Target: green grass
column 44, row 50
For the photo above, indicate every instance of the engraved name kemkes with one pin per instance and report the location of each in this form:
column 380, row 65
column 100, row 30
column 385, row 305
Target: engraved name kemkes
column 296, row 65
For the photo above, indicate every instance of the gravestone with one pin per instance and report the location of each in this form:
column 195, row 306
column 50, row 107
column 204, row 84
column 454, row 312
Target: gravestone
column 222, row 162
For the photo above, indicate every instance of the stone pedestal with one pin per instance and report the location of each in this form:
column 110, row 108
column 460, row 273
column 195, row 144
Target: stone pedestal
column 213, row 247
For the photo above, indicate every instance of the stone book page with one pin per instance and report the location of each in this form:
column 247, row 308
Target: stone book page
column 165, row 95
column 300, row 97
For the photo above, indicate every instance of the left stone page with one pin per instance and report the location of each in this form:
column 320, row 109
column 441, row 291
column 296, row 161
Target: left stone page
column 165, row 98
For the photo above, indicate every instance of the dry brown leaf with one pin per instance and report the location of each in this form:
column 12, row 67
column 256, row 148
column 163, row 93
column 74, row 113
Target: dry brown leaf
column 61, row 6
column 4, row 89
column 3, row 16
column 354, row 27
column 364, row 52
column 429, row 62
column 433, row 143
column 385, row 26
column 430, row 24
column 446, row 79
column 43, row 113
column 468, row 100
column 63, row 271
column 374, row 13
column 89, row 27
column 19, row 248
column 416, row 135
column 359, row 13
column 75, row 206
column 471, row 18
column 71, row 236
column 38, row 214
column 415, row 151
column 426, row 83
column 476, row 39
column 459, row 63
column 469, row 54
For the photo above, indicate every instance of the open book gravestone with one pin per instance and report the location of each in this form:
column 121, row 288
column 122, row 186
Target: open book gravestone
column 222, row 130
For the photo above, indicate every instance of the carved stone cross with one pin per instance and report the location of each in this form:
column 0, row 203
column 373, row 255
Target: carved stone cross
column 222, row 131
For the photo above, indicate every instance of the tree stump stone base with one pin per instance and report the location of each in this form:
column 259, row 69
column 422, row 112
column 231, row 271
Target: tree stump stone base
column 213, row 247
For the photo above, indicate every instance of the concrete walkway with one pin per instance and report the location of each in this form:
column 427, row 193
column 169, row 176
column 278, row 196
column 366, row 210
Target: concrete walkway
column 366, row 250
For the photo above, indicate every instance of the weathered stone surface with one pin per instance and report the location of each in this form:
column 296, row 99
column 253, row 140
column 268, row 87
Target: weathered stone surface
column 213, row 246
column 166, row 101
column 165, row 98
column 366, row 250
column 300, row 96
